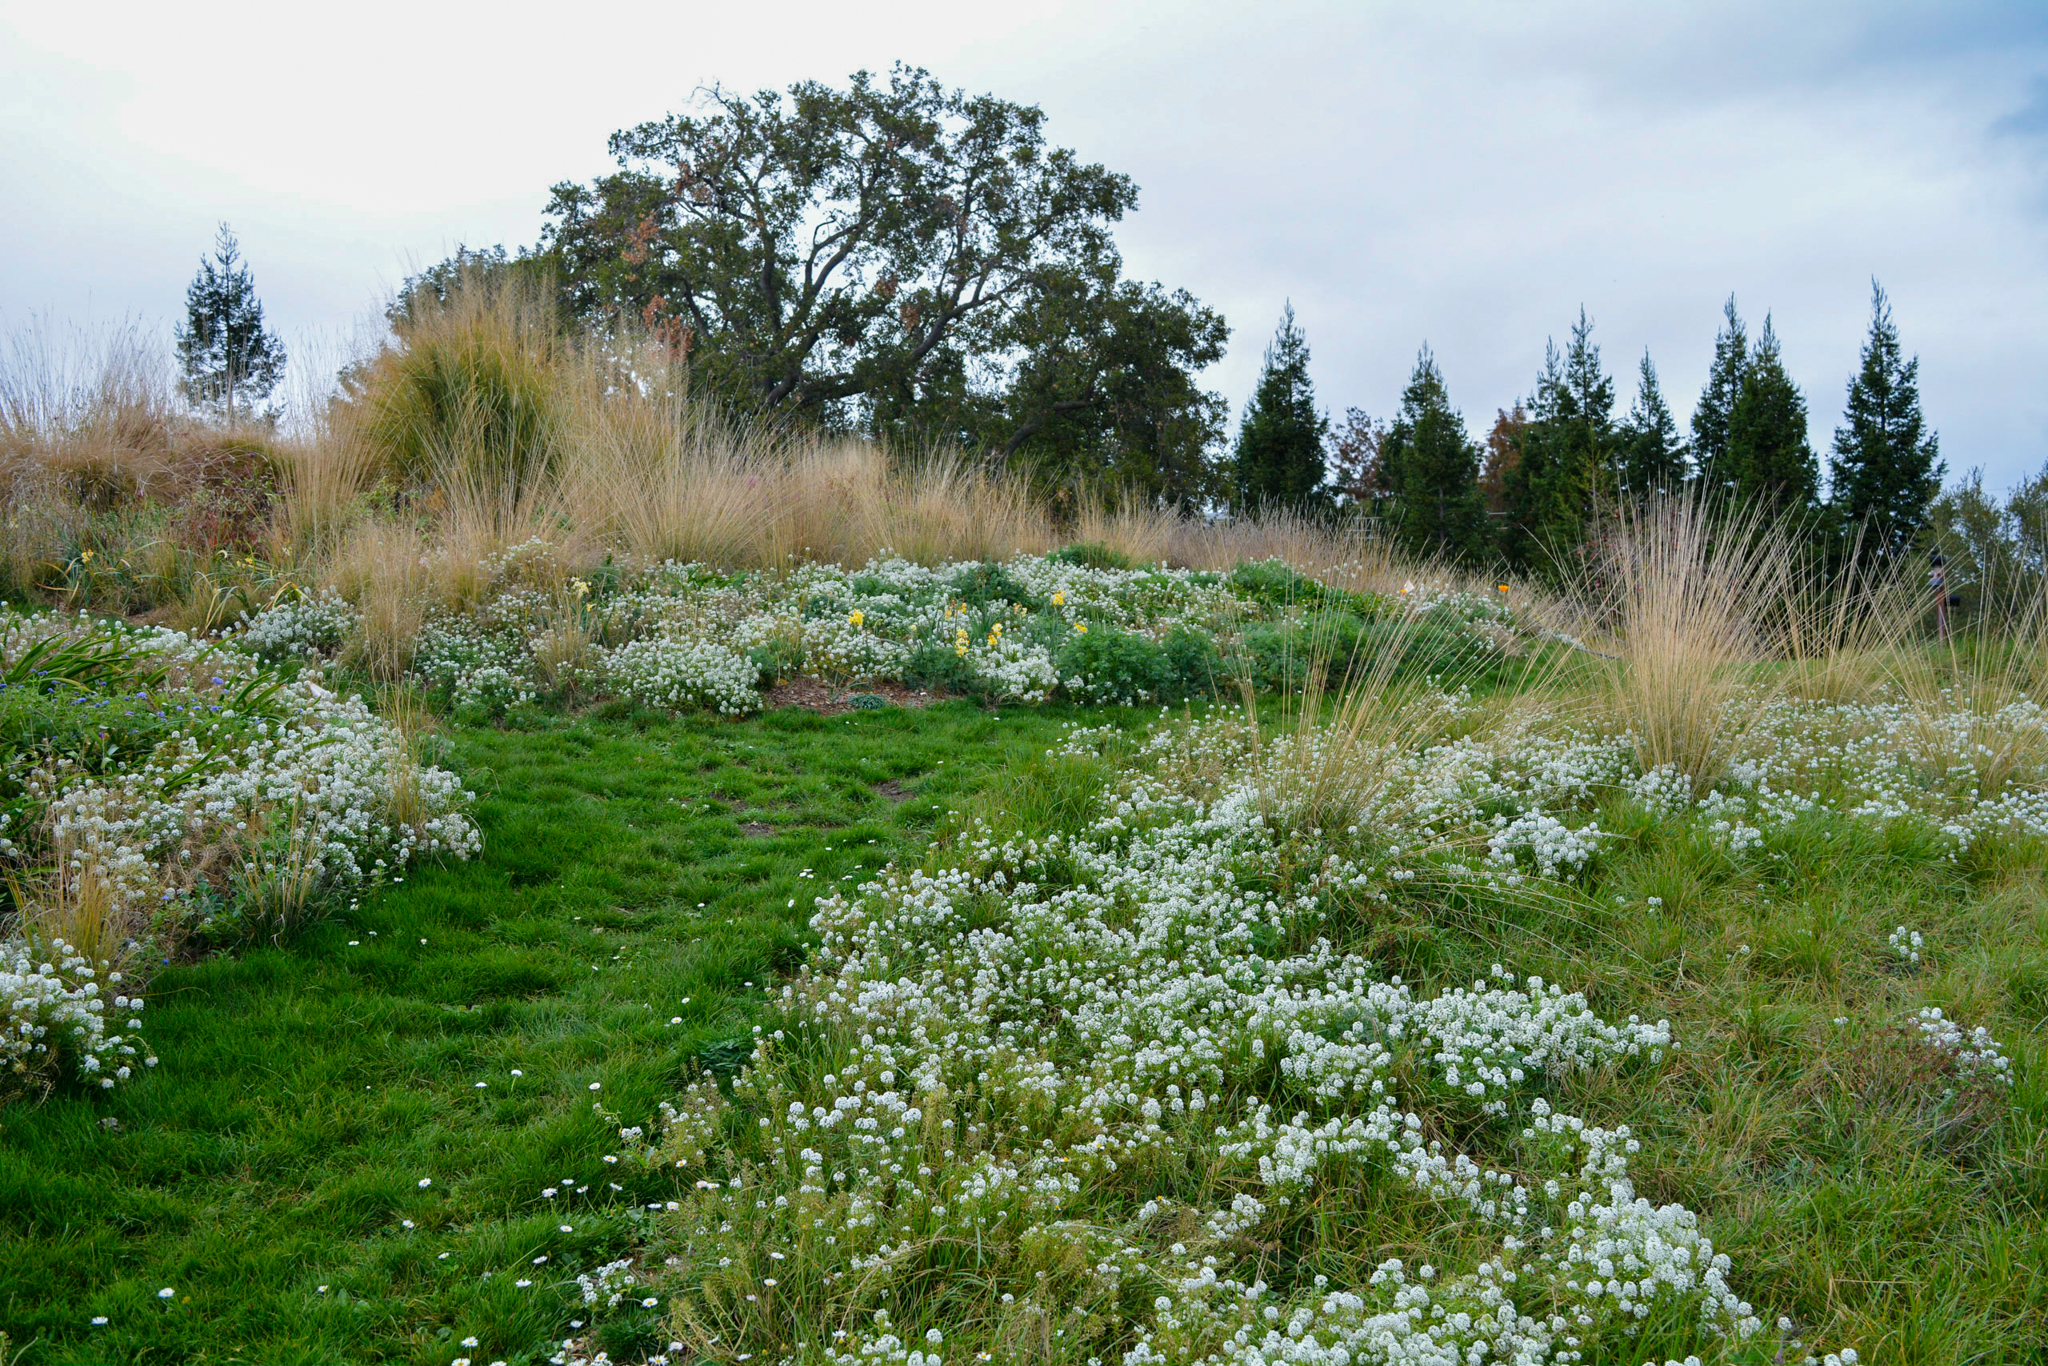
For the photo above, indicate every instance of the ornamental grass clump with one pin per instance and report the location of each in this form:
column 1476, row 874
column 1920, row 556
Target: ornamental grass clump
column 1686, row 590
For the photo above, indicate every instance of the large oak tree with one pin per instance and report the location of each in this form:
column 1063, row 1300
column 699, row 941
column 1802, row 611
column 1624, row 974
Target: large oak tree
column 899, row 257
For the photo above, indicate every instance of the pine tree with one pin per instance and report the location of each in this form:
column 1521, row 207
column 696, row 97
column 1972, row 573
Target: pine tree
column 1768, row 457
column 1432, row 469
column 1279, row 457
column 1652, row 458
column 1567, row 449
column 1886, row 466
column 226, row 352
column 1717, row 400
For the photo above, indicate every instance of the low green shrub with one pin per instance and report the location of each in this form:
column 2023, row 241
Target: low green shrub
column 1091, row 555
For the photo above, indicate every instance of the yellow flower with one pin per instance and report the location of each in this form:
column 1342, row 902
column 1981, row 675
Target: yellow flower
column 582, row 588
column 1059, row 599
column 1082, row 627
column 856, row 617
column 85, row 557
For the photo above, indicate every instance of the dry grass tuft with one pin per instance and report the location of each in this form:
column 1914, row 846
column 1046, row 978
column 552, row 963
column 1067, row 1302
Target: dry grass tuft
column 74, row 902
column 473, row 383
column 1333, row 759
column 382, row 567
column 1689, row 591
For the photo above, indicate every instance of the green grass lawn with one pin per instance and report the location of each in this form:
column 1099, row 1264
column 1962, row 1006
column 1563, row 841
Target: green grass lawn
column 344, row 1153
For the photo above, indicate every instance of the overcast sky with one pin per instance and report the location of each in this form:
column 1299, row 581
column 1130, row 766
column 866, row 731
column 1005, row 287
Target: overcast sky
column 1467, row 174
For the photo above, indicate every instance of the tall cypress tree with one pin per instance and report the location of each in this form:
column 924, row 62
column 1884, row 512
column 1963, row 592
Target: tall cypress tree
column 1279, row 457
column 1886, row 466
column 1431, row 467
column 1567, row 448
column 1652, row 457
column 1768, row 458
column 223, row 346
column 1717, row 400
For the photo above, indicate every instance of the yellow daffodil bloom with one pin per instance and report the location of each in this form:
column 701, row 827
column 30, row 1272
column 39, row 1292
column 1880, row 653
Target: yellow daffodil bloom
column 856, row 617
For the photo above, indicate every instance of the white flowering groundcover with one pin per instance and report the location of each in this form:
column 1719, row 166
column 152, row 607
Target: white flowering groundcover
column 1029, row 629
column 172, row 787
column 1130, row 1095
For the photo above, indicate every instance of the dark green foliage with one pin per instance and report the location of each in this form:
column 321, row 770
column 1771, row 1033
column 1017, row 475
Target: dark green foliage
column 936, row 667
column 1997, row 552
column 1194, row 666
column 902, row 258
column 1275, row 583
column 226, row 353
column 1430, row 468
column 1278, row 462
column 1123, row 667
column 1769, row 460
column 1091, row 555
column 1749, row 430
column 1273, row 657
column 1117, row 665
column 977, row 585
column 1651, row 457
column 941, row 214
column 1566, row 457
column 1717, row 400
column 1345, row 646
column 490, row 268
column 1886, row 467
column 1104, row 398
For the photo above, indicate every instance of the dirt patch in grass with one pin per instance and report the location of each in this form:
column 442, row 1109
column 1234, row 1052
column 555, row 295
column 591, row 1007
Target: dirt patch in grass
column 827, row 699
column 758, row 829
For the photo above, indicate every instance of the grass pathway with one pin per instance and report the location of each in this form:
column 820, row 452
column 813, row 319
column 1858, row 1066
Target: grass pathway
column 343, row 1155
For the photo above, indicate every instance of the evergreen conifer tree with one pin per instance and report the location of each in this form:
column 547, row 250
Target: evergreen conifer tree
column 226, row 352
column 1431, row 466
column 1886, row 466
column 1717, row 400
column 1652, row 455
column 1768, row 457
column 1279, row 456
column 1567, row 449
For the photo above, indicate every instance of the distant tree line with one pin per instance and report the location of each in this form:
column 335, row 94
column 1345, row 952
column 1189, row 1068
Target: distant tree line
column 1533, row 491
column 920, row 265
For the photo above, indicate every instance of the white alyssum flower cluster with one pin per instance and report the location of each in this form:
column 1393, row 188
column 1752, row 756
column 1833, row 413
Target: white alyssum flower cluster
column 335, row 782
column 1976, row 1054
column 303, row 624
column 1129, row 1057
column 1966, row 770
column 681, row 672
column 239, row 780
column 54, row 1017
